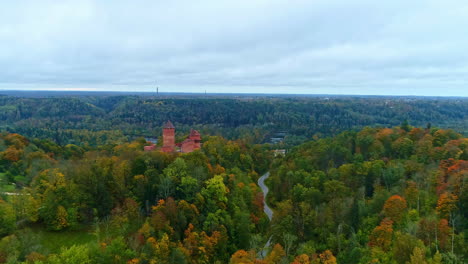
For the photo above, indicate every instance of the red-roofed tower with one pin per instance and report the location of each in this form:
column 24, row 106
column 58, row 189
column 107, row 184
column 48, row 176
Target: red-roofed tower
column 196, row 138
column 168, row 137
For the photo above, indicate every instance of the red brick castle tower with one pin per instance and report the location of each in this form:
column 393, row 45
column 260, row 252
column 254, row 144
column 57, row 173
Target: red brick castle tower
column 192, row 143
column 168, row 137
column 196, row 137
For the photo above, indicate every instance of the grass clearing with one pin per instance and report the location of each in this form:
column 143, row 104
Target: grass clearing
column 5, row 186
column 52, row 241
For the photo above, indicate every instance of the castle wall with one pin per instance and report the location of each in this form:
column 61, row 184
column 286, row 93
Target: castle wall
column 149, row 148
column 168, row 140
column 187, row 146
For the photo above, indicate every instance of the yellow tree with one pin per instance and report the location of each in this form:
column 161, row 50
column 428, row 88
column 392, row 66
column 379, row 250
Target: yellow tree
column 301, row 259
column 12, row 154
column 437, row 259
column 243, row 257
column 418, row 256
column 60, row 221
column 327, row 257
column 276, row 255
column 200, row 247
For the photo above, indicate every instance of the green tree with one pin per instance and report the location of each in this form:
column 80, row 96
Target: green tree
column 188, row 187
column 7, row 218
column 215, row 193
column 404, row 245
column 76, row 254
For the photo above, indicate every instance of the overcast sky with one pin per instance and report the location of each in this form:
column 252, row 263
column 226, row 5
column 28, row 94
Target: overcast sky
column 291, row 46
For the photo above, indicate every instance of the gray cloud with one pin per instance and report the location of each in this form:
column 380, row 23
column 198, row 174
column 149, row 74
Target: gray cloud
column 301, row 46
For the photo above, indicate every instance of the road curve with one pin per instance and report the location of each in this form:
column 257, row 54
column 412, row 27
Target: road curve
column 261, row 183
column 266, row 209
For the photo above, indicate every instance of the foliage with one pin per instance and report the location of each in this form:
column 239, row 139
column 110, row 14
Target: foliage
column 379, row 195
column 85, row 121
column 141, row 206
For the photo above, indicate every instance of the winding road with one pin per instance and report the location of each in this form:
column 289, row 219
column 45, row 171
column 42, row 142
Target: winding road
column 266, row 209
column 261, row 183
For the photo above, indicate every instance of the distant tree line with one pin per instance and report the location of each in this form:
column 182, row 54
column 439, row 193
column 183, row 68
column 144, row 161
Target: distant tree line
column 113, row 119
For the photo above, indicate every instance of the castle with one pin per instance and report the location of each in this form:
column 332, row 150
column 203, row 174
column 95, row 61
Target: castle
column 192, row 143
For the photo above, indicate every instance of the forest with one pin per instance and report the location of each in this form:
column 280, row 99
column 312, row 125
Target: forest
column 380, row 195
column 386, row 195
column 382, row 184
column 98, row 120
column 138, row 207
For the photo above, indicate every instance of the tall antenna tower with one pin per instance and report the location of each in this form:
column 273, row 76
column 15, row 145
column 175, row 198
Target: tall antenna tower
column 157, row 90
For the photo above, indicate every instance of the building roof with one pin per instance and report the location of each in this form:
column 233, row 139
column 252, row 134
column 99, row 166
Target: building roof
column 169, row 125
column 194, row 133
column 187, row 141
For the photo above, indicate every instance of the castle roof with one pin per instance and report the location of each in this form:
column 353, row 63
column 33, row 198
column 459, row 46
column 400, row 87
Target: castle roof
column 169, row 125
column 194, row 133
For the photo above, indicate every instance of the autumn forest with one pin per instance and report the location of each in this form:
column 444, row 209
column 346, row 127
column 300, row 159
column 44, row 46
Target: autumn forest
column 363, row 180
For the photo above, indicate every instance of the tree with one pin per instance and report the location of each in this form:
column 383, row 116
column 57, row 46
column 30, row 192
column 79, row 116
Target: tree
column 301, row 259
column 26, row 205
column 335, row 189
column 60, row 221
column 381, row 236
column 427, row 230
column 394, row 208
column 443, row 233
column 176, row 170
column 55, row 193
column 327, row 257
column 242, row 257
column 289, row 240
column 405, row 125
column 188, row 187
column 403, row 246
column 215, row 193
column 178, row 256
column 418, row 256
column 116, row 252
column 7, row 218
column 12, row 154
column 35, row 257
column 166, row 187
column 437, row 259
column 10, row 249
column 242, row 227
column 403, row 147
column 412, row 194
column 446, row 204
column 276, row 255
column 162, row 249
column 77, row 254
column 199, row 247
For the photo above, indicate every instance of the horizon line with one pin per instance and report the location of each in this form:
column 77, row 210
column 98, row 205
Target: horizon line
column 81, row 90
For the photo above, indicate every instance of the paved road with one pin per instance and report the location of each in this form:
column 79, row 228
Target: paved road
column 266, row 209
column 10, row 193
column 261, row 183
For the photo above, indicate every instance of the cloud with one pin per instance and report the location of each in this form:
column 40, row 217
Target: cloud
column 359, row 46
